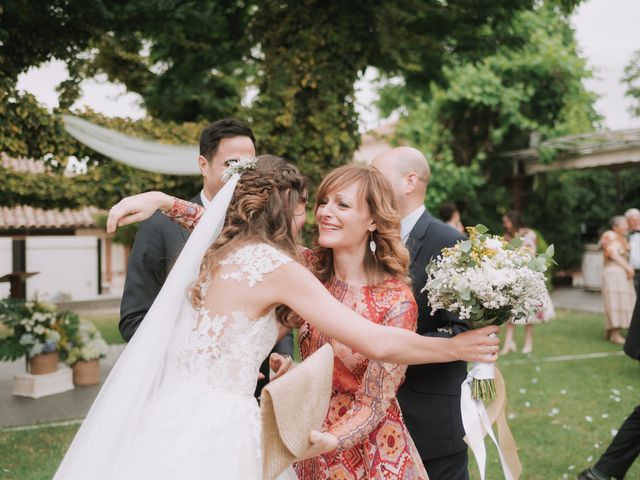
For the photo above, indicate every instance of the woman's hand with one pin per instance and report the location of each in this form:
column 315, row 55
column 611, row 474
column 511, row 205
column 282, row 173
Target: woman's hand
column 280, row 364
column 630, row 273
column 477, row 345
column 137, row 208
column 321, row 442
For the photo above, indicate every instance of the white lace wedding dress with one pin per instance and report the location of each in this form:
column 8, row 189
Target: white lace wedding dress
column 203, row 422
column 178, row 403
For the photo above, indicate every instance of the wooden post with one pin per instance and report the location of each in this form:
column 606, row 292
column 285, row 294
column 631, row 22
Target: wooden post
column 108, row 260
column 99, row 248
column 19, row 283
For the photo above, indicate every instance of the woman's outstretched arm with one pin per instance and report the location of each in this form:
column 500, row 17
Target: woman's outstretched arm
column 137, row 208
column 295, row 286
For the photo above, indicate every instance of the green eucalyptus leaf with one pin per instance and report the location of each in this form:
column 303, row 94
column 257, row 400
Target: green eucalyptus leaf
column 481, row 229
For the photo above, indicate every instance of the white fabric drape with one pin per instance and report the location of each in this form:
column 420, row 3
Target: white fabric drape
column 109, row 429
column 142, row 154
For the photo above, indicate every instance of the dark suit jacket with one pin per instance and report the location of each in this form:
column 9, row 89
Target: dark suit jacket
column 158, row 243
column 632, row 344
column 430, row 395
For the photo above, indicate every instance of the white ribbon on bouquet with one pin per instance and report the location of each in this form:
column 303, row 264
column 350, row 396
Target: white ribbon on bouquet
column 476, row 421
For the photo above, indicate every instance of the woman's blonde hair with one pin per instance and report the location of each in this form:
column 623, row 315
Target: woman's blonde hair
column 261, row 210
column 375, row 191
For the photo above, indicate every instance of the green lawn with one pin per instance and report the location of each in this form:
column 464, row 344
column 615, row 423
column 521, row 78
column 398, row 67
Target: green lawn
column 561, row 413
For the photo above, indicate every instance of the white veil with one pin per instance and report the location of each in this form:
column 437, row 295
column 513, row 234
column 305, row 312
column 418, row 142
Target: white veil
column 109, row 429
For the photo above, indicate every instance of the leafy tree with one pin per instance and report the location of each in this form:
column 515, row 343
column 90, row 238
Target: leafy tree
column 34, row 32
column 312, row 53
column 493, row 104
column 632, row 79
column 193, row 60
column 186, row 58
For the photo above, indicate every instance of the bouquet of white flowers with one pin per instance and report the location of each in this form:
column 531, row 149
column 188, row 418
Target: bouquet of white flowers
column 87, row 344
column 32, row 328
column 487, row 281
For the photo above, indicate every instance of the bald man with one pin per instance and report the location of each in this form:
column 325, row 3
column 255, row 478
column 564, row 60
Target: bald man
column 430, row 395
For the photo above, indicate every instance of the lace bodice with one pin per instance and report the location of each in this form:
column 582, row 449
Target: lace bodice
column 219, row 348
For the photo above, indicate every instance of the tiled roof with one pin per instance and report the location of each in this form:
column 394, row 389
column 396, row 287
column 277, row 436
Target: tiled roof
column 22, row 164
column 24, row 217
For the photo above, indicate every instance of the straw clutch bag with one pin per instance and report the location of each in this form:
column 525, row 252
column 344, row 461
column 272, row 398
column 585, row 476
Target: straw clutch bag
column 291, row 406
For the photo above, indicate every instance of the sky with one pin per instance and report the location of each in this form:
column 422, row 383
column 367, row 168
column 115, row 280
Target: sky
column 607, row 33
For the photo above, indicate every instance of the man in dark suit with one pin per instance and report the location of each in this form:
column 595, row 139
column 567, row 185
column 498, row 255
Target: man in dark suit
column 625, row 446
column 159, row 241
column 633, row 219
column 430, row 395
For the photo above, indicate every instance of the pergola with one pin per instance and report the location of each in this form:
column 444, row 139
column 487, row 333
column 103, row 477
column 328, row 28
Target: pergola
column 612, row 150
column 605, row 149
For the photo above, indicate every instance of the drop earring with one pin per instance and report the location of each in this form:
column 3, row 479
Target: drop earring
column 372, row 246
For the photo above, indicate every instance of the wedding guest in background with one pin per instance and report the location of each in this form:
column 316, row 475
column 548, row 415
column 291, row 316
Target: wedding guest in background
column 617, row 280
column 633, row 219
column 625, row 446
column 450, row 215
column 514, row 226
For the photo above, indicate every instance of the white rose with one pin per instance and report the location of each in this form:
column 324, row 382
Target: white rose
column 493, row 243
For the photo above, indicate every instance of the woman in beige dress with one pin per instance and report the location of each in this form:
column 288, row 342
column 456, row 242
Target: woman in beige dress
column 617, row 280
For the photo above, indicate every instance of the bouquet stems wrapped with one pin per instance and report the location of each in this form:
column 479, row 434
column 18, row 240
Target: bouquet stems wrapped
column 485, row 388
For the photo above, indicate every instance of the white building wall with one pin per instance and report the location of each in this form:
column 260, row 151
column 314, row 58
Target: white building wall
column 6, row 263
column 67, row 265
column 118, row 269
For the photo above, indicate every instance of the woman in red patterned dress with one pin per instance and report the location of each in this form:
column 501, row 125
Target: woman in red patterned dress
column 362, row 261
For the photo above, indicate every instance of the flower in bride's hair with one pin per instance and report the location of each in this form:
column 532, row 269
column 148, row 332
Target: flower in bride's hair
column 239, row 166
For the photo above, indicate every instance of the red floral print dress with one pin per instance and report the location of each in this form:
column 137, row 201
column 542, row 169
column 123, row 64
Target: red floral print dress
column 373, row 441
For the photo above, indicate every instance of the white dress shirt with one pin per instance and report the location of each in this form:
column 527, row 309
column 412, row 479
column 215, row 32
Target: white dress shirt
column 205, row 202
column 408, row 222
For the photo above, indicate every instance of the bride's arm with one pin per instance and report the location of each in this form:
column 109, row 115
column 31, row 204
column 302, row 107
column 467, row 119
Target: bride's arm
column 296, row 287
column 137, row 208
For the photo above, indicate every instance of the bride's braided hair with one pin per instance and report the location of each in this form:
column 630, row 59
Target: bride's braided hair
column 261, row 210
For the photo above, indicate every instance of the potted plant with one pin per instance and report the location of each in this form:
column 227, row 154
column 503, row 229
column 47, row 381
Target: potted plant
column 34, row 329
column 86, row 346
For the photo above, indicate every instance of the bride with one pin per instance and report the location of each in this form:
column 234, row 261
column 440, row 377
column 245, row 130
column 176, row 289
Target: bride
column 179, row 402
